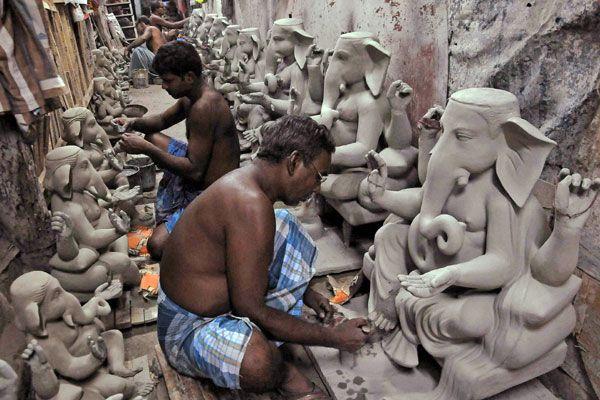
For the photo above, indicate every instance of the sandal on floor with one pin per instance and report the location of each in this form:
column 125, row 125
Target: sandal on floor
column 315, row 394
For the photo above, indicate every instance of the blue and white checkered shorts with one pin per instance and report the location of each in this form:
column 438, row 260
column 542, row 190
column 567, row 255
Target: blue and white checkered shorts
column 214, row 347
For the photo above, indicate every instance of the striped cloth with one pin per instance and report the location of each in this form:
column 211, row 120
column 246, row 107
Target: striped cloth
column 174, row 193
column 28, row 75
column 214, row 347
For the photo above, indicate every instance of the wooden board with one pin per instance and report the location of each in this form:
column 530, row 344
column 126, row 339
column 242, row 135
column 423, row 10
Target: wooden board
column 181, row 387
column 123, row 312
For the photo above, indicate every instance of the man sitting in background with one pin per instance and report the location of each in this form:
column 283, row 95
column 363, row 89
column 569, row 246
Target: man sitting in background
column 144, row 47
column 157, row 19
column 212, row 149
column 235, row 274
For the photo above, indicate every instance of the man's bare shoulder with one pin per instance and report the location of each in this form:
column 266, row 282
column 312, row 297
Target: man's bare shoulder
column 239, row 195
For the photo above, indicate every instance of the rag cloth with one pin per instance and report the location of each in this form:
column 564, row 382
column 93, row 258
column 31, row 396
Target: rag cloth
column 174, row 192
column 214, row 348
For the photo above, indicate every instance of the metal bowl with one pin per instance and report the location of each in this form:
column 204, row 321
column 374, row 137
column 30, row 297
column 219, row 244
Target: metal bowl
column 135, row 110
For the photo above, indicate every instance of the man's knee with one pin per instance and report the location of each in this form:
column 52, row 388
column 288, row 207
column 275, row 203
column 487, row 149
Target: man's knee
column 262, row 368
column 157, row 241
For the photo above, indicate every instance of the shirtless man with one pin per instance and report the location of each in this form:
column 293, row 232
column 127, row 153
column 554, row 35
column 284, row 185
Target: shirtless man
column 212, row 149
column 235, row 274
column 157, row 11
column 151, row 35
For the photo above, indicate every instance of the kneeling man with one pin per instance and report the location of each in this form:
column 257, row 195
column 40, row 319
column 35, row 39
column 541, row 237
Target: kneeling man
column 235, row 274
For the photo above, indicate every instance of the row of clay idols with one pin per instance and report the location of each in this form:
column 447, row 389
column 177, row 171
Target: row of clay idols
column 467, row 266
column 341, row 88
column 70, row 353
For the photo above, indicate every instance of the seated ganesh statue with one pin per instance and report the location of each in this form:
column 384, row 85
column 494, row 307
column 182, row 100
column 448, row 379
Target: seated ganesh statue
column 92, row 248
column 469, row 268
column 67, row 337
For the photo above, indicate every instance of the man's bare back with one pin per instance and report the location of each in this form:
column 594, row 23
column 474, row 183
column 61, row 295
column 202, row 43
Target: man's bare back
column 196, row 278
column 157, row 39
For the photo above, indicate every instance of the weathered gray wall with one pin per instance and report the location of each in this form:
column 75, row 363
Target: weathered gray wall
column 414, row 31
column 548, row 54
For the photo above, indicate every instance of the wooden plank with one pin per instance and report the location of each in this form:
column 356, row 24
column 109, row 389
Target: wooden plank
column 123, row 312
column 179, row 387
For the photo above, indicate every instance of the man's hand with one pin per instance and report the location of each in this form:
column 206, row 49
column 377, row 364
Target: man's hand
column 125, row 122
column 62, row 224
column 377, row 178
column 132, row 143
column 349, row 335
column 120, row 222
column 319, row 304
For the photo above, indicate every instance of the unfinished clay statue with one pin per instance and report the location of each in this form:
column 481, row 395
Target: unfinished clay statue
column 82, row 130
column 475, row 227
column 102, row 66
column 215, row 35
column 46, row 384
column 195, row 22
column 354, row 109
column 120, row 69
column 75, row 188
column 202, row 32
column 250, row 51
column 72, row 339
column 294, row 46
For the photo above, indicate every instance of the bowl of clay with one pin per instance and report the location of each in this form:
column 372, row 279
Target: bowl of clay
column 132, row 173
column 147, row 171
column 135, row 110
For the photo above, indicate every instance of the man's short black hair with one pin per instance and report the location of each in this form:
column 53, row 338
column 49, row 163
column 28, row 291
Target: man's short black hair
column 178, row 58
column 294, row 132
column 155, row 5
column 143, row 19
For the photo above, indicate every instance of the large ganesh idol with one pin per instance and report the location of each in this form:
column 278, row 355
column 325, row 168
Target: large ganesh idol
column 93, row 247
column 358, row 113
column 469, row 268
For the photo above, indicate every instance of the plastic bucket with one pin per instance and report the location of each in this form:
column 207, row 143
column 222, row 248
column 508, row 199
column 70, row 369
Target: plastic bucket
column 147, row 171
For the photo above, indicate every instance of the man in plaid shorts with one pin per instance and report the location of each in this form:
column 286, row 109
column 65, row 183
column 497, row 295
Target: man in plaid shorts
column 235, row 274
column 212, row 147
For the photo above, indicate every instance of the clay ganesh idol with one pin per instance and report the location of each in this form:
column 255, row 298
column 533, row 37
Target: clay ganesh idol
column 94, row 246
column 72, row 339
column 357, row 112
column 471, row 270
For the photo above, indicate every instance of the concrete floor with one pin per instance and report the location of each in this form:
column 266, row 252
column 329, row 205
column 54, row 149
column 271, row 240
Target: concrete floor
column 158, row 100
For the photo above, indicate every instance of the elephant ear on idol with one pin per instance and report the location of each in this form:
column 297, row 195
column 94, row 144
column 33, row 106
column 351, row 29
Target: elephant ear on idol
column 256, row 46
column 303, row 40
column 521, row 161
column 377, row 69
column 60, row 182
column 225, row 45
